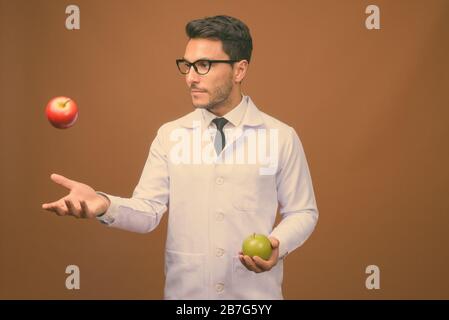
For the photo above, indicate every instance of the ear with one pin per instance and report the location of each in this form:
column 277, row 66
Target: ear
column 240, row 69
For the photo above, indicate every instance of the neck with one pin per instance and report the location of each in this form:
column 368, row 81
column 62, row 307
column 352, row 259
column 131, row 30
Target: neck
column 227, row 105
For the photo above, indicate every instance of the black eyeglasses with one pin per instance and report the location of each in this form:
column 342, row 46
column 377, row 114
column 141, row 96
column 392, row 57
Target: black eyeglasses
column 201, row 66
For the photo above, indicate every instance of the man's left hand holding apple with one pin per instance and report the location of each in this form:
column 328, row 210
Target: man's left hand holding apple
column 258, row 264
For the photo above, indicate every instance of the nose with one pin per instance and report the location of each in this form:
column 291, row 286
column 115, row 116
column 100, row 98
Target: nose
column 192, row 77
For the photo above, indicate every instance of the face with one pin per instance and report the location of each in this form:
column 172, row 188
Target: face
column 215, row 87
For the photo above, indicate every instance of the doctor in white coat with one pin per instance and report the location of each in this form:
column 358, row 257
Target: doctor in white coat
column 223, row 171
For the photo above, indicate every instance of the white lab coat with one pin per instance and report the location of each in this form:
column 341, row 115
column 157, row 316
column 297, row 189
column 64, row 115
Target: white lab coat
column 215, row 205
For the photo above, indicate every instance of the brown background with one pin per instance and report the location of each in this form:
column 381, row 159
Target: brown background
column 370, row 106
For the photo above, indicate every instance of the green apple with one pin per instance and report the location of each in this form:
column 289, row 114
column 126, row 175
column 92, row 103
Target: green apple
column 257, row 245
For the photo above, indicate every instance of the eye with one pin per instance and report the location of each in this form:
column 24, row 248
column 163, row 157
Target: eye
column 202, row 64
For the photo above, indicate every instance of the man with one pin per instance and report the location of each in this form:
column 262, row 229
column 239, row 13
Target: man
column 211, row 168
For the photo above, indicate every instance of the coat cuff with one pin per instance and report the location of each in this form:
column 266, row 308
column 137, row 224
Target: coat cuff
column 110, row 215
column 283, row 249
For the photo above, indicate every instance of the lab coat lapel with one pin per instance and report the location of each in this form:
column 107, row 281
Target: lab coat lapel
column 251, row 119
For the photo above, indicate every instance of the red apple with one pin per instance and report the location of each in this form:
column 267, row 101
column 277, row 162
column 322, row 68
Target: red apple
column 257, row 245
column 62, row 112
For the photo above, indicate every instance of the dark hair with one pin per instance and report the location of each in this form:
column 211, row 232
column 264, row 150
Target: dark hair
column 233, row 33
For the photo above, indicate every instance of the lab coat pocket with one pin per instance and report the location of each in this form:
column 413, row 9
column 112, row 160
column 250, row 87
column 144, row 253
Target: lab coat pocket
column 185, row 275
column 264, row 285
column 251, row 190
column 245, row 197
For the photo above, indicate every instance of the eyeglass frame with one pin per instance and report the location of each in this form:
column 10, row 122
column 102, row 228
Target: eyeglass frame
column 190, row 64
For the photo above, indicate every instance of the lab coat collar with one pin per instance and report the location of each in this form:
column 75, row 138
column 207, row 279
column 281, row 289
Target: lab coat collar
column 234, row 116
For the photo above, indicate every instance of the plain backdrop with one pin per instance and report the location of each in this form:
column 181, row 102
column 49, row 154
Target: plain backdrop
column 370, row 107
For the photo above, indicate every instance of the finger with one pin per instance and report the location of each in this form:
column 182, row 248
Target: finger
column 262, row 264
column 85, row 212
column 63, row 181
column 71, row 208
column 60, row 210
column 242, row 260
column 49, row 208
column 51, row 204
column 251, row 264
column 57, row 207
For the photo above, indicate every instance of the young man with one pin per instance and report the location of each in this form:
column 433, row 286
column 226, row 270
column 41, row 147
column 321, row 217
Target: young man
column 211, row 168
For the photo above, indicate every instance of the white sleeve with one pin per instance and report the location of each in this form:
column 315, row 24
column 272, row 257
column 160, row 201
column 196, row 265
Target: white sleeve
column 295, row 196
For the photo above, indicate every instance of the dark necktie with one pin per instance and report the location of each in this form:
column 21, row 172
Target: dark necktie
column 220, row 140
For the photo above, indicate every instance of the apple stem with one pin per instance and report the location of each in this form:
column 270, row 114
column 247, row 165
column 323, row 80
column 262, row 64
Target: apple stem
column 66, row 102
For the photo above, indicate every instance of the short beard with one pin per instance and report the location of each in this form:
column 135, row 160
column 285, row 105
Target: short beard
column 220, row 95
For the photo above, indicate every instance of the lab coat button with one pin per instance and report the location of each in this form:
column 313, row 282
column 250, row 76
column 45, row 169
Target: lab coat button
column 219, row 252
column 219, row 180
column 219, row 287
column 219, row 216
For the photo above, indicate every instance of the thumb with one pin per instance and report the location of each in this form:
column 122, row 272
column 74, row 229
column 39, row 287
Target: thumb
column 63, row 181
column 274, row 242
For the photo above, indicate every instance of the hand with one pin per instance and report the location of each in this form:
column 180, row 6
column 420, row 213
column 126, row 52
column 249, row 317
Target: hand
column 81, row 202
column 257, row 264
